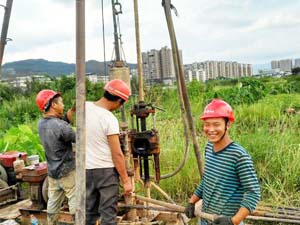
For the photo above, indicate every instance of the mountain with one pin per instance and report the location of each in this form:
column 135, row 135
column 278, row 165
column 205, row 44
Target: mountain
column 93, row 66
column 257, row 67
column 36, row 66
column 42, row 66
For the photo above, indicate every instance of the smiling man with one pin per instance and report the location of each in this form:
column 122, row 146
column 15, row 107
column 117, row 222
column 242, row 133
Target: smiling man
column 229, row 187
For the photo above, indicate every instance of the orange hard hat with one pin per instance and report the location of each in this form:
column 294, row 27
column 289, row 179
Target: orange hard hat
column 118, row 88
column 218, row 108
column 43, row 98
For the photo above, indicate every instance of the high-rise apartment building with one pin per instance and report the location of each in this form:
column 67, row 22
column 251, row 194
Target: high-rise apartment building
column 284, row 65
column 151, row 65
column 158, row 65
column 235, row 72
column 249, row 70
column 222, row 68
column 197, row 74
column 297, row 63
column 166, row 63
column 214, row 69
column 228, row 69
column 274, row 64
column 240, row 70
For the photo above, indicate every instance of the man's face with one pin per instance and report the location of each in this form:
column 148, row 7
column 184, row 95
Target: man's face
column 118, row 104
column 214, row 129
column 58, row 106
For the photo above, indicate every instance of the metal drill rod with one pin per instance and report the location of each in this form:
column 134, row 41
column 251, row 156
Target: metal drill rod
column 162, row 209
column 272, row 219
column 180, row 209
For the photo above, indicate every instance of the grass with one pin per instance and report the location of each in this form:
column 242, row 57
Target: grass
column 269, row 135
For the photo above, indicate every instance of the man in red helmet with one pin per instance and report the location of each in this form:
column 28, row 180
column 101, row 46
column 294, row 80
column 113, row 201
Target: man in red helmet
column 229, row 186
column 104, row 159
column 57, row 136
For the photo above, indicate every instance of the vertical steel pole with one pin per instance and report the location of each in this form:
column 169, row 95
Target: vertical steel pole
column 116, row 35
column 4, row 30
column 180, row 79
column 138, row 51
column 80, row 112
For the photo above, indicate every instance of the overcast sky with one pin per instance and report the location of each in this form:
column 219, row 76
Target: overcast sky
column 248, row 31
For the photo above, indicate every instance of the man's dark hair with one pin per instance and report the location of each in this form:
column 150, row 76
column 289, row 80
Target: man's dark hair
column 113, row 98
column 48, row 105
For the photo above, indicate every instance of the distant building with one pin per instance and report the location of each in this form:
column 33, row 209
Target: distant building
column 151, row 65
column 166, row 63
column 158, row 66
column 222, row 68
column 249, row 70
column 284, row 65
column 198, row 75
column 103, row 78
column 213, row 69
column 22, row 82
column 92, row 77
column 274, row 64
column 297, row 63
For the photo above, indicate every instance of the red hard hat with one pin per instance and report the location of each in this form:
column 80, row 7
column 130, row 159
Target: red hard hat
column 218, row 108
column 43, row 97
column 118, row 88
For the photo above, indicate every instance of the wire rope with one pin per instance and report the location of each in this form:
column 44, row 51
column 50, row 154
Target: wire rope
column 103, row 40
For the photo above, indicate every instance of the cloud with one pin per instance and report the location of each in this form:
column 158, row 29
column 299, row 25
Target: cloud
column 278, row 20
column 40, row 27
column 66, row 2
column 249, row 30
column 87, row 2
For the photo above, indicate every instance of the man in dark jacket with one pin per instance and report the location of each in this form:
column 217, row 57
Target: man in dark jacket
column 57, row 136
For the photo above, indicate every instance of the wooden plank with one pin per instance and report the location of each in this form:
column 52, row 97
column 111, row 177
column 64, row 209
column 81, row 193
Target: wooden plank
column 12, row 212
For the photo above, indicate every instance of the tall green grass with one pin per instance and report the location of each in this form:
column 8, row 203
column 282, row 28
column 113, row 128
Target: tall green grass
column 269, row 134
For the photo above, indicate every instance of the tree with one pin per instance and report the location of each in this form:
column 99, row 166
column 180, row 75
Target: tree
column 296, row 70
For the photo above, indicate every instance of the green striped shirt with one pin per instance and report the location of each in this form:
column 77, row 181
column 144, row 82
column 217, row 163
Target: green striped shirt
column 229, row 181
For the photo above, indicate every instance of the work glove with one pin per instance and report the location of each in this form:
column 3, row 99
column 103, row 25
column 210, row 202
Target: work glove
column 223, row 220
column 190, row 210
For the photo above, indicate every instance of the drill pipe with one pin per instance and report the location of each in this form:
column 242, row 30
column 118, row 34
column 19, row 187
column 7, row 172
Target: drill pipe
column 178, row 208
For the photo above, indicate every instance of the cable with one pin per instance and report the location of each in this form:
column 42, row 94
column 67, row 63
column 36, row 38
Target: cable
column 103, row 39
column 120, row 37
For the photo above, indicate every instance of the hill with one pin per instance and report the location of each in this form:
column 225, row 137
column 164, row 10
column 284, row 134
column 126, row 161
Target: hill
column 42, row 66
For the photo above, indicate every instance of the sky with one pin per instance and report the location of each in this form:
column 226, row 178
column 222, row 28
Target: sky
column 246, row 31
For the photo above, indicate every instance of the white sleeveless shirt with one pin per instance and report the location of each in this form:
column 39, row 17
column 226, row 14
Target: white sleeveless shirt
column 100, row 123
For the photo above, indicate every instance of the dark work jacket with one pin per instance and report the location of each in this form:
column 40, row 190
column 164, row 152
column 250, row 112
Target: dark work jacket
column 57, row 137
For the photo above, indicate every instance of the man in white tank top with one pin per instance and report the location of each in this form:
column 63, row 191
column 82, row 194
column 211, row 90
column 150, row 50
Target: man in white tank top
column 104, row 159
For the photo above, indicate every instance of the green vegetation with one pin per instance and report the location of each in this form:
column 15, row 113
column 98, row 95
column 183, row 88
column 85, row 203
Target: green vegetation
column 262, row 126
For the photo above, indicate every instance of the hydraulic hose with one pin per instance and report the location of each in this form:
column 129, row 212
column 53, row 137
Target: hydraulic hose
column 182, row 91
